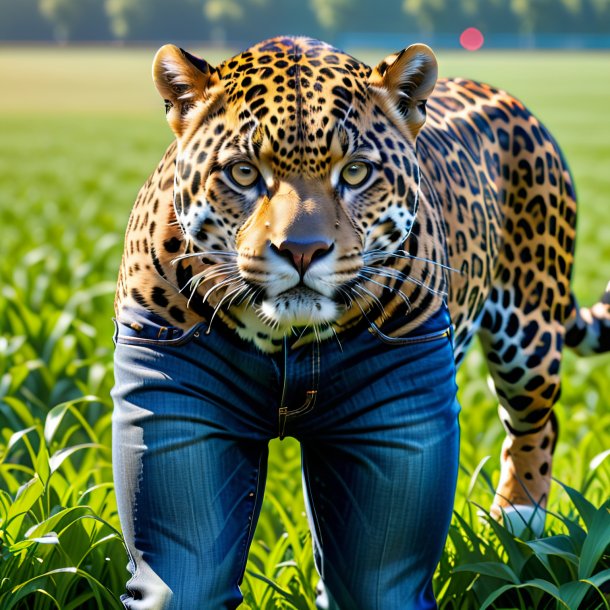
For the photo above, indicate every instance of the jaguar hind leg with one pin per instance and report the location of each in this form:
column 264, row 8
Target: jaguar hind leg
column 523, row 353
column 525, row 478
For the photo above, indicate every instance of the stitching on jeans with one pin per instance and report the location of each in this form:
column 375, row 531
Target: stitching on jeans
column 250, row 531
column 316, row 520
column 134, row 511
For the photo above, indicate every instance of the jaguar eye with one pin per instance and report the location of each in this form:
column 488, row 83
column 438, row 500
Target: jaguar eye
column 244, row 174
column 356, row 173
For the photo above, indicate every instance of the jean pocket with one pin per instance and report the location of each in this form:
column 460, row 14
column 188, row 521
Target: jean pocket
column 412, row 339
column 144, row 332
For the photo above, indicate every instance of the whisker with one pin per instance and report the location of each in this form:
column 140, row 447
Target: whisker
column 385, row 272
column 247, row 291
column 196, row 280
column 253, row 296
column 207, row 294
column 440, row 293
column 375, row 300
column 243, row 290
column 228, row 280
column 207, row 253
column 401, row 294
column 361, row 309
column 274, row 324
column 227, row 294
column 404, row 277
column 217, row 270
column 382, row 254
column 336, row 336
column 303, row 331
column 405, row 254
column 346, row 295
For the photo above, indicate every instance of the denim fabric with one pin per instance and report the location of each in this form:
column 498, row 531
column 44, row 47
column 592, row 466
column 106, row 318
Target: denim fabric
column 377, row 419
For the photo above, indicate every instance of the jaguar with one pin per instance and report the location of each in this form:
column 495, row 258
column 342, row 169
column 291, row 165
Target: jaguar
column 306, row 193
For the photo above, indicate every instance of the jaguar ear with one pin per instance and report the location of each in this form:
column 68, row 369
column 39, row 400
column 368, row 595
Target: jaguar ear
column 182, row 80
column 405, row 80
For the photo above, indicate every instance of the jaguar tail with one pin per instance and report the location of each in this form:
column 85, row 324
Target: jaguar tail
column 588, row 328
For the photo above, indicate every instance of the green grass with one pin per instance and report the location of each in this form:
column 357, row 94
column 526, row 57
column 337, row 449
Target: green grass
column 81, row 130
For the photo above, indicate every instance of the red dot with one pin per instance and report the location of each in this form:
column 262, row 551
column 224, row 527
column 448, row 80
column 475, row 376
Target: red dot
column 471, row 39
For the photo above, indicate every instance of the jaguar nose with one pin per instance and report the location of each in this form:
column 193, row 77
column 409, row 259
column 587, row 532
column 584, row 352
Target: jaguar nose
column 303, row 253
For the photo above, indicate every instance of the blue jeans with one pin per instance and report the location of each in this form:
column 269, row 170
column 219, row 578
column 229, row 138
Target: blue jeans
column 377, row 419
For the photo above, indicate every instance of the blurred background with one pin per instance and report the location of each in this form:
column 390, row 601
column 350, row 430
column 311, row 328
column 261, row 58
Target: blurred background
column 346, row 23
column 81, row 128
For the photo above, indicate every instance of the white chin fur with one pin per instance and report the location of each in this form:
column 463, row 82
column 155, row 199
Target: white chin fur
column 299, row 308
column 519, row 517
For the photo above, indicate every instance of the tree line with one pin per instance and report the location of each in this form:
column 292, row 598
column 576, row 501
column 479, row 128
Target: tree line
column 247, row 20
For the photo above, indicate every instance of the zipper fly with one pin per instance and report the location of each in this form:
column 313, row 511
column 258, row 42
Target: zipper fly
column 283, row 410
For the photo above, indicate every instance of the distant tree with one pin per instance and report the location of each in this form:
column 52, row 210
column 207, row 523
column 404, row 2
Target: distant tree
column 601, row 5
column 552, row 16
column 265, row 18
column 83, row 19
column 221, row 13
column 22, row 21
column 597, row 15
column 330, row 14
column 122, row 14
column 534, row 14
column 424, row 12
column 241, row 22
column 158, row 20
column 455, row 15
column 62, row 14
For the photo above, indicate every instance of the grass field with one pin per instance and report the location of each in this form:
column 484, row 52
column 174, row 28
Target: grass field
column 80, row 131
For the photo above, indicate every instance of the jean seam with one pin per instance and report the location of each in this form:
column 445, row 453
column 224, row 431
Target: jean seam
column 136, row 574
column 315, row 518
column 136, row 565
column 379, row 591
column 250, row 532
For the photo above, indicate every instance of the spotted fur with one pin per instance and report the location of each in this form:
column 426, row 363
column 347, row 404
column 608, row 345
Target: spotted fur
column 477, row 208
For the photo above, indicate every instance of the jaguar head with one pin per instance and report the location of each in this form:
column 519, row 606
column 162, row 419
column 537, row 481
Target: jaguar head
column 296, row 174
